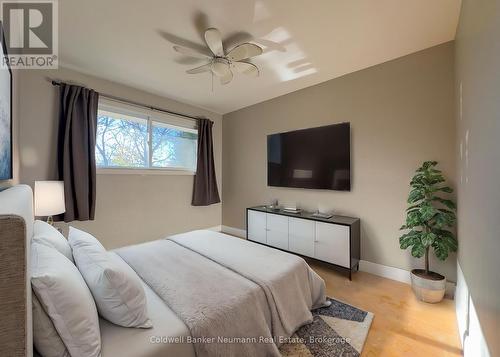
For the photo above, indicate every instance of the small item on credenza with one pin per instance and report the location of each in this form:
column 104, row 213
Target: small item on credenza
column 319, row 214
column 294, row 211
column 274, row 205
column 323, row 212
column 291, row 208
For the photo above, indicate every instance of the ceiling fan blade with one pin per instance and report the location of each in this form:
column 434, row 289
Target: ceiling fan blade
column 247, row 68
column 190, row 52
column 213, row 39
column 244, row 51
column 205, row 68
column 227, row 77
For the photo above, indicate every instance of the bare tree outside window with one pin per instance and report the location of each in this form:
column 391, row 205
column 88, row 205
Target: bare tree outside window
column 173, row 147
column 123, row 142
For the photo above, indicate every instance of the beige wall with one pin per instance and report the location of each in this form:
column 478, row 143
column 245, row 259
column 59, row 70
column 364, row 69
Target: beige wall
column 478, row 152
column 130, row 208
column 401, row 113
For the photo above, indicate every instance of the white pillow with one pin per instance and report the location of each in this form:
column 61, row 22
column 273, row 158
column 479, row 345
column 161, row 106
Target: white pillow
column 118, row 292
column 46, row 234
column 45, row 337
column 66, row 299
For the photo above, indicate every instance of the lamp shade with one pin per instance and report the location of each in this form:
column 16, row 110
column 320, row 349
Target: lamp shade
column 49, row 198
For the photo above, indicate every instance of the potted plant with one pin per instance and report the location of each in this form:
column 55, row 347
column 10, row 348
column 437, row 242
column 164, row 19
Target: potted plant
column 429, row 218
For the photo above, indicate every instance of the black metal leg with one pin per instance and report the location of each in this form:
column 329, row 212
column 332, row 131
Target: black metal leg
column 350, row 274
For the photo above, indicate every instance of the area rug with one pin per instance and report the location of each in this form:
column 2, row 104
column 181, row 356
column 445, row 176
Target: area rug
column 337, row 330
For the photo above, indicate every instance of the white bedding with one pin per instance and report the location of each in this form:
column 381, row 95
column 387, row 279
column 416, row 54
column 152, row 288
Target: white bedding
column 133, row 342
column 228, row 289
column 291, row 289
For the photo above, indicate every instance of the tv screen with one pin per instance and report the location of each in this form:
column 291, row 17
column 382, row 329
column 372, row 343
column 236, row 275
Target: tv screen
column 318, row 158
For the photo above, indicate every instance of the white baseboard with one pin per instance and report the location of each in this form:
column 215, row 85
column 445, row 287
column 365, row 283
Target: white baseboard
column 242, row 233
column 385, row 271
column 215, row 228
column 366, row 266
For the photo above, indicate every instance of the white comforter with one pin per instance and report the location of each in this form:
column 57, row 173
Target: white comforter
column 221, row 286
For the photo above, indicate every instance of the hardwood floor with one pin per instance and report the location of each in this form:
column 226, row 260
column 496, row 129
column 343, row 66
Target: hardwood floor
column 403, row 326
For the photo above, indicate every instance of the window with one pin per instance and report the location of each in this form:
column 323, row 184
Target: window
column 173, row 147
column 133, row 138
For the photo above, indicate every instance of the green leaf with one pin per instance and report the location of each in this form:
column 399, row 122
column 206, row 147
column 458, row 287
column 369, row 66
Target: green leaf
column 413, row 207
column 435, row 179
column 450, row 243
column 418, row 250
column 410, row 238
column 446, row 211
column 413, row 219
column 442, row 233
column 415, row 195
column 429, row 164
column 448, row 239
column 448, row 203
column 443, row 189
column 412, row 210
column 427, row 212
column 444, row 218
column 428, row 239
column 405, row 242
column 440, row 250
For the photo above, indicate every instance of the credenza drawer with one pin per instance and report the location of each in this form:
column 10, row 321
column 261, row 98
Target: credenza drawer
column 301, row 236
column 332, row 244
column 277, row 231
column 257, row 226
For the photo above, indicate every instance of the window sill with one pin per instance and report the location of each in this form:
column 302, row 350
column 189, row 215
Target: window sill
column 144, row 172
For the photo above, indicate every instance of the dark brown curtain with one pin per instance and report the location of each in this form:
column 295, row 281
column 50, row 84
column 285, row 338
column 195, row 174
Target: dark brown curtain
column 76, row 150
column 205, row 190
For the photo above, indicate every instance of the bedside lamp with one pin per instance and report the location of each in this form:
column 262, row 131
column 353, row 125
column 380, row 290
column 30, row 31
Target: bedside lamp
column 49, row 199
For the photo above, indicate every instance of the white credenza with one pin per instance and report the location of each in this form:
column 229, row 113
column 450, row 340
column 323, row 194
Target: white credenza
column 333, row 241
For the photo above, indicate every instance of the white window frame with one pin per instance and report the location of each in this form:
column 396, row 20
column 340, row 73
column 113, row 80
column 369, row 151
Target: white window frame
column 171, row 120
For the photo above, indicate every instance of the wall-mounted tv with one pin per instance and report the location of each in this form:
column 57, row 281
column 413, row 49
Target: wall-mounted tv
column 318, row 158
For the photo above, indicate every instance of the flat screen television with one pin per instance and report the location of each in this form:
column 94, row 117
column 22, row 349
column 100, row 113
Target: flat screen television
column 317, row 158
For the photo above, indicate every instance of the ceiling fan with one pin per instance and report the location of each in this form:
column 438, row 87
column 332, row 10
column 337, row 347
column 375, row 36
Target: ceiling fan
column 221, row 63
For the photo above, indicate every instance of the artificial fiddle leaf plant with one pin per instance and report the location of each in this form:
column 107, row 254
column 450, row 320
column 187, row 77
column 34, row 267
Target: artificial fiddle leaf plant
column 430, row 216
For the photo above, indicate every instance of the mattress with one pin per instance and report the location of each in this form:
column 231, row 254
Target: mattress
column 166, row 338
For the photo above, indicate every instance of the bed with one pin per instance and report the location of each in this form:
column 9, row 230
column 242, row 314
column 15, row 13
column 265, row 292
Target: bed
column 206, row 284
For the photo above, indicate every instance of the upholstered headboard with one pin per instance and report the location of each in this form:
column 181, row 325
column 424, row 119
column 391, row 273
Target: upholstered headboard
column 16, row 231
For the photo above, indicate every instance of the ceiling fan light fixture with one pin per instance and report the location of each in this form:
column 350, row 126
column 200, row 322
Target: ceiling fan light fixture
column 222, row 62
column 220, row 66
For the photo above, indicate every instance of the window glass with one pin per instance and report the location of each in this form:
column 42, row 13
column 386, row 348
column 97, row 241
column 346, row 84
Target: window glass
column 137, row 141
column 121, row 141
column 173, row 146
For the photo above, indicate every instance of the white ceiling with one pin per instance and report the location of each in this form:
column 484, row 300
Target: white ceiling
column 305, row 42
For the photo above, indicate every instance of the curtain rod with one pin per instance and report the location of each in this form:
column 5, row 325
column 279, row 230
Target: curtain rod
column 126, row 101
